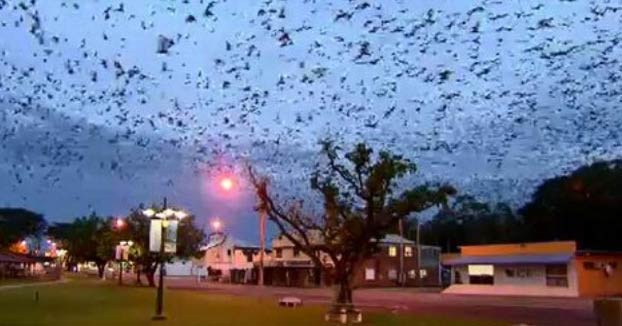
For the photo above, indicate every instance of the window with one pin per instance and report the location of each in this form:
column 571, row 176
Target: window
column 412, row 274
column 557, row 275
column 392, row 251
column 278, row 252
column 370, row 274
column 249, row 257
column 481, row 274
column 408, row 251
column 517, row 272
column 423, row 273
column 228, row 252
column 430, row 257
column 392, row 274
column 296, row 252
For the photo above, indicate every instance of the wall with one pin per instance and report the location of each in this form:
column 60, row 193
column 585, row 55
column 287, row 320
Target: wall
column 287, row 250
column 382, row 263
column 595, row 283
column 535, row 285
column 520, row 248
column 537, row 275
column 180, row 268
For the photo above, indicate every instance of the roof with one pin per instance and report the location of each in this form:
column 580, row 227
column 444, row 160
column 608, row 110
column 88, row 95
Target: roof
column 394, row 238
column 8, row 257
column 598, row 253
column 525, row 248
column 511, row 259
column 219, row 239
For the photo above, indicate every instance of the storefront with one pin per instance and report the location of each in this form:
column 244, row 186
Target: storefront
column 535, row 269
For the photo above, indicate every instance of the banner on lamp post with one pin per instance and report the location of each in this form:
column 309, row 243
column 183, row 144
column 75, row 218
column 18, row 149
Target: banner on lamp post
column 126, row 253
column 155, row 235
column 170, row 240
column 118, row 253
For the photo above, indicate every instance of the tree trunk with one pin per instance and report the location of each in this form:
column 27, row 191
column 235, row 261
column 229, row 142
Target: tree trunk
column 150, row 274
column 344, row 291
column 100, row 269
column 138, row 281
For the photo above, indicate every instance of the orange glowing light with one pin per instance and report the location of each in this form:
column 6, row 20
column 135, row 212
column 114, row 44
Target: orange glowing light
column 120, row 223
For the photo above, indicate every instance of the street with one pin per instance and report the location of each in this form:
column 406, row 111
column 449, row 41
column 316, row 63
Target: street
column 515, row 310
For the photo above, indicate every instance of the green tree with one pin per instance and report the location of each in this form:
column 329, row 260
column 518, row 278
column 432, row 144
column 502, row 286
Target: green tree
column 362, row 201
column 469, row 221
column 87, row 239
column 16, row 224
column 585, row 205
column 189, row 240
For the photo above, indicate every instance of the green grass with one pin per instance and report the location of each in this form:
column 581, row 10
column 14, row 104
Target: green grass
column 13, row 281
column 92, row 302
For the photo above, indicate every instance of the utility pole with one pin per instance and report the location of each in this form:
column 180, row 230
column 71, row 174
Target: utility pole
column 160, row 294
column 262, row 243
column 401, row 229
column 418, row 251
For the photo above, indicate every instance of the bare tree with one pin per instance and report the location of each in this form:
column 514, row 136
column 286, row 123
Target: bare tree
column 359, row 207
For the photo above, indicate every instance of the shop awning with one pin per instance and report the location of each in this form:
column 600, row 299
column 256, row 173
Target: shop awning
column 511, row 259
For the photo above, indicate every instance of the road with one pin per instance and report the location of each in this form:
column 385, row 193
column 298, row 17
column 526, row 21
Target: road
column 515, row 310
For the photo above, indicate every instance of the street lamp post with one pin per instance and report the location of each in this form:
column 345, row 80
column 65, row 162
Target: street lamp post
column 164, row 215
column 124, row 247
column 262, row 242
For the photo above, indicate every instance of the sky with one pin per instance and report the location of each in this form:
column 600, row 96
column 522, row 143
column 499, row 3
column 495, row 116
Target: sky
column 108, row 104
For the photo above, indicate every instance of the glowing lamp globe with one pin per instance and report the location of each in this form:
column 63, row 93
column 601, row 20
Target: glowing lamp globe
column 226, row 184
column 216, row 225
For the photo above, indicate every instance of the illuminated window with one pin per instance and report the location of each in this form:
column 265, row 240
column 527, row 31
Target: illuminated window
column 370, row 274
column 408, row 251
column 423, row 273
column 481, row 274
column 392, row 274
column 412, row 274
column 392, row 251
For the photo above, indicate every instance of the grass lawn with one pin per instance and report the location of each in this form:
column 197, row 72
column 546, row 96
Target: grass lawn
column 13, row 281
column 92, row 302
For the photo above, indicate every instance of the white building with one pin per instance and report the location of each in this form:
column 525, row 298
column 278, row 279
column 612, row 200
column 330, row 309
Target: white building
column 228, row 259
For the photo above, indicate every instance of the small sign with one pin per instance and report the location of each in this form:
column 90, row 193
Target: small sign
column 170, row 241
column 155, row 235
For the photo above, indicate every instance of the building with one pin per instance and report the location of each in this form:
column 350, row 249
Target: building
column 228, row 259
column 291, row 267
column 396, row 263
column 288, row 266
column 184, row 267
column 535, row 269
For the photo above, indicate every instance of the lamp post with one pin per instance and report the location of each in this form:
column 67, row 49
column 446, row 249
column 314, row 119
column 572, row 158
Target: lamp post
column 164, row 215
column 123, row 252
column 262, row 243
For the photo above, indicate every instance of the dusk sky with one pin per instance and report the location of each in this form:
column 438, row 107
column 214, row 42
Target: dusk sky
column 491, row 96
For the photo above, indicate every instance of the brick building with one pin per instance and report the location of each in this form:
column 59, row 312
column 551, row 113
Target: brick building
column 397, row 264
